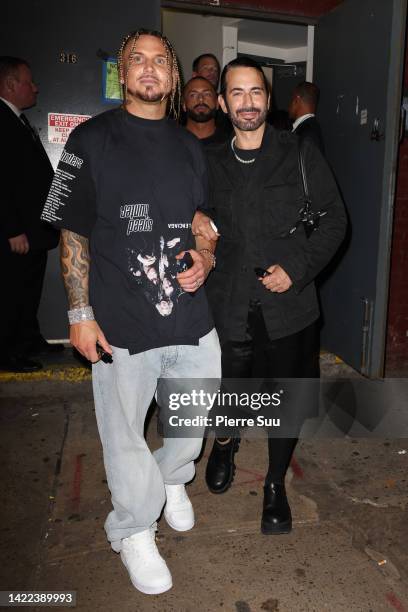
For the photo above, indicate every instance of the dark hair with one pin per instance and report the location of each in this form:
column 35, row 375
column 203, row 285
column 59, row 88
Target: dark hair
column 242, row 62
column 308, row 92
column 199, row 78
column 9, row 66
column 198, row 59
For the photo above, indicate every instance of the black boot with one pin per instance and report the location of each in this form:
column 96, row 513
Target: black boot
column 276, row 515
column 221, row 467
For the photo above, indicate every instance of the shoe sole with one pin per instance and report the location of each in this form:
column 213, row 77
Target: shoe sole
column 231, row 479
column 170, row 524
column 116, row 546
column 281, row 530
column 146, row 589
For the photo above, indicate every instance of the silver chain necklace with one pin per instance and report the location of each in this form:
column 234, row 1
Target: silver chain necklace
column 243, row 161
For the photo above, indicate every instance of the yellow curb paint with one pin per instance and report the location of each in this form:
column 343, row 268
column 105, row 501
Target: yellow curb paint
column 69, row 374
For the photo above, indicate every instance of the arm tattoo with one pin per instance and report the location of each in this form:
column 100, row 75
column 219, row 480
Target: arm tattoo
column 75, row 260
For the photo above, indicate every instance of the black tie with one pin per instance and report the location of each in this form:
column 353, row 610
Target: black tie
column 28, row 125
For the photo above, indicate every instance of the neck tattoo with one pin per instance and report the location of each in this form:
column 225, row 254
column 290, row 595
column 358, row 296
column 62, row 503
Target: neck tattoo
column 243, row 161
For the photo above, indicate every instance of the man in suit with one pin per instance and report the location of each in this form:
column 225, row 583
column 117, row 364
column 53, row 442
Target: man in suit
column 302, row 109
column 262, row 291
column 26, row 175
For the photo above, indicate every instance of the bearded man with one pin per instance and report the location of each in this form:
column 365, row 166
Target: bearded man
column 262, row 293
column 200, row 104
column 127, row 186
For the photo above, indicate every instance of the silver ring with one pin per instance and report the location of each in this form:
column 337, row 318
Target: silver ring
column 197, row 284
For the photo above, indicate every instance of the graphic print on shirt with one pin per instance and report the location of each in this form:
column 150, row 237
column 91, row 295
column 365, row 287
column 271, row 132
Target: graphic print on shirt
column 61, row 187
column 138, row 215
column 155, row 270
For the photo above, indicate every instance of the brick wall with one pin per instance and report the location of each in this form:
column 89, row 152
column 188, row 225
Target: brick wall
column 397, row 340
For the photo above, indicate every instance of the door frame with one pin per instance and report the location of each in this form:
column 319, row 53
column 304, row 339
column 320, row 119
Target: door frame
column 375, row 362
column 242, row 13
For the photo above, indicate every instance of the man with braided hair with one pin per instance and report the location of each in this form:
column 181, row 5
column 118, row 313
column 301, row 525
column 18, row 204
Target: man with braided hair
column 126, row 189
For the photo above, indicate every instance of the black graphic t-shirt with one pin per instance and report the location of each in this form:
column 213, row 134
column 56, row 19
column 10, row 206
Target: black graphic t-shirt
column 132, row 186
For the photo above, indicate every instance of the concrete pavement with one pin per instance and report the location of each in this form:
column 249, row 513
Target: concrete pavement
column 348, row 549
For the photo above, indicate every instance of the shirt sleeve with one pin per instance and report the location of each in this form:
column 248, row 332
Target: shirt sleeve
column 71, row 201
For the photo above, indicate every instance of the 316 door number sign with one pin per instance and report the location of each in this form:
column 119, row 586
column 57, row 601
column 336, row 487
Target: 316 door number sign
column 68, row 58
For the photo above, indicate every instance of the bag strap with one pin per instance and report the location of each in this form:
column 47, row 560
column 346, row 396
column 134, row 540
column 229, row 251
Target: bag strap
column 303, row 176
column 307, row 217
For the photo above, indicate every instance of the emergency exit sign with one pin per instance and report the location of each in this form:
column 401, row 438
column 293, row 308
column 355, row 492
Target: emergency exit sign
column 60, row 125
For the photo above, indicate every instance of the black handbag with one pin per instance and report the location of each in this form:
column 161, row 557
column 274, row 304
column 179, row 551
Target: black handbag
column 309, row 219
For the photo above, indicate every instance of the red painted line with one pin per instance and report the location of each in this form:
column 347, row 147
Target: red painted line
column 245, row 482
column 297, row 470
column 395, row 602
column 76, row 487
column 257, row 475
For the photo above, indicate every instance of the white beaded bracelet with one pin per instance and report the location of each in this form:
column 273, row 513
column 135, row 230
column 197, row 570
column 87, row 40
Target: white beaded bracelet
column 76, row 315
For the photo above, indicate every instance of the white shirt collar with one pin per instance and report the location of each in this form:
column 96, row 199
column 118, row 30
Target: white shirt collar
column 12, row 107
column 300, row 120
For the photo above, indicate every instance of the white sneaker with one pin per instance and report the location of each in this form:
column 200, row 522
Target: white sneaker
column 147, row 568
column 178, row 510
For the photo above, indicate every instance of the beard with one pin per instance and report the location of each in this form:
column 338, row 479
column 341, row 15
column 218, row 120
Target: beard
column 203, row 116
column 244, row 124
column 148, row 94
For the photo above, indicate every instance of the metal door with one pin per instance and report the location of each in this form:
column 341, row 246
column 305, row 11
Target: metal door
column 83, row 34
column 358, row 67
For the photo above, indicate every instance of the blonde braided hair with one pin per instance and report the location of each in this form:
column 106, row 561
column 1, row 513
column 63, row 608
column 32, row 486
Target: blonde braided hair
column 172, row 65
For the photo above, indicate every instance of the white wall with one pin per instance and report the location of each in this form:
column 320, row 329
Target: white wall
column 191, row 35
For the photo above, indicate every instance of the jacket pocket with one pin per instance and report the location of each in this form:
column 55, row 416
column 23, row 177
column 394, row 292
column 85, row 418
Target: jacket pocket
column 280, row 208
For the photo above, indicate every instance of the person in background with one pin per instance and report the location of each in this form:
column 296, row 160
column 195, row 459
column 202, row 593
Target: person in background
column 279, row 119
column 25, row 176
column 207, row 66
column 302, row 109
column 200, row 104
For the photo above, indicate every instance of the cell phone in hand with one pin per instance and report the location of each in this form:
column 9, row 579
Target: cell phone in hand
column 185, row 262
column 103, row 355
column 261, row 272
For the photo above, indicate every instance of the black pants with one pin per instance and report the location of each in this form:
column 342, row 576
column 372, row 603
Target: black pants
column 294, row 356
column 23, row 282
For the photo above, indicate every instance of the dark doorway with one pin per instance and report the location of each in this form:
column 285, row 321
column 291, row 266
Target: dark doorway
column 360, row 74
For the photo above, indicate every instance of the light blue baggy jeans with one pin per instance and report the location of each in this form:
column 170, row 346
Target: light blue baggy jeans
column 123, row 392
